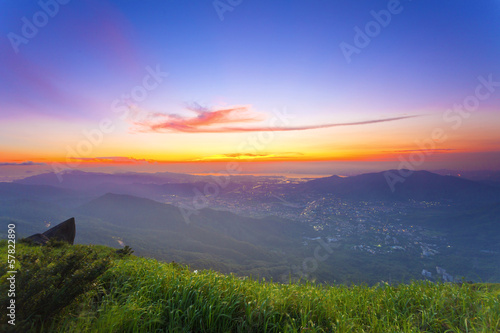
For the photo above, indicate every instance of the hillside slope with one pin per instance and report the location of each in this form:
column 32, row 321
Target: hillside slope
column 208, row 239
column 131, row 294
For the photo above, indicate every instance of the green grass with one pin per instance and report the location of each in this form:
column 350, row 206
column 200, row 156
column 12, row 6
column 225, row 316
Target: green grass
column 144, row 295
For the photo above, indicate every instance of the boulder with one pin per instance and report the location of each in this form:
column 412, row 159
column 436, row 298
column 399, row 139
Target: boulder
column 64, row 231
column 38, row 239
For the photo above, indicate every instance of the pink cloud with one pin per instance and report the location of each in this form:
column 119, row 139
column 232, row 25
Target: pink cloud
column 210, row 121
column 113, row 159
column 201, row 122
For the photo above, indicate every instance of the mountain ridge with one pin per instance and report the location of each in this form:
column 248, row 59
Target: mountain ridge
column 418, row 185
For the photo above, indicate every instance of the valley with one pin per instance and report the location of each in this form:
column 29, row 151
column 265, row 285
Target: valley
column 271, row 227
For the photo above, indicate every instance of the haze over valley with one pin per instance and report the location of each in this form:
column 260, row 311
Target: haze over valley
column 333, row 229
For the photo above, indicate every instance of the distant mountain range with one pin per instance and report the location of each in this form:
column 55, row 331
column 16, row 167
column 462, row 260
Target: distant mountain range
column 146, row 185
column 12, row 191
column 417, row 185
column 81, row 180
column 130, row 209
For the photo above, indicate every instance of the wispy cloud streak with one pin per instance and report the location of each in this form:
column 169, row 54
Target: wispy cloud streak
column 113, row 159
column 311, row 127
column 435, row 150
column 27, row 163
column 250, row 156
column 210, row 121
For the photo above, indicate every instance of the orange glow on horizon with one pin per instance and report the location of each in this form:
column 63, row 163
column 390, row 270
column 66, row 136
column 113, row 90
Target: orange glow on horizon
column 347, row 156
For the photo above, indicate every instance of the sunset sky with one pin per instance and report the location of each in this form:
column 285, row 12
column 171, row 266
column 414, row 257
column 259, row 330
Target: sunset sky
column 280, row 86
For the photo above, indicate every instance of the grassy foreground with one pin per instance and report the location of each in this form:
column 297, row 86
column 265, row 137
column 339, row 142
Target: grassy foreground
column 93, row 289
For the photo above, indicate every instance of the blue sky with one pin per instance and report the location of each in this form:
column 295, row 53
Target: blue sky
column 263, row 55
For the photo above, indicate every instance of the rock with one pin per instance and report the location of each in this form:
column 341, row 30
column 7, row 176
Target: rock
column 64, row 231
column 38, row 239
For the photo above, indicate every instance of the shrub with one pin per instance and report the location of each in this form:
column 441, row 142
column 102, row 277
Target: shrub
column 48, row 280
column 126, row 251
